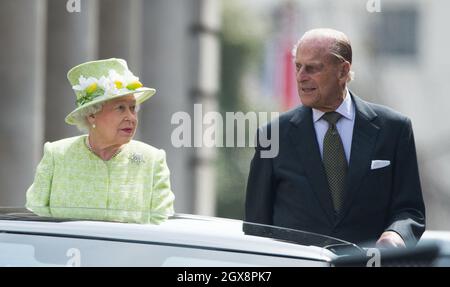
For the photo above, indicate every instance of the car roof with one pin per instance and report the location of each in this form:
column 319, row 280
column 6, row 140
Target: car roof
column 180, row 230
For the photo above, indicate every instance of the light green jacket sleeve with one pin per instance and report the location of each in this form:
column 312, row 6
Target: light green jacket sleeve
column 161, row 204
column 38, row 194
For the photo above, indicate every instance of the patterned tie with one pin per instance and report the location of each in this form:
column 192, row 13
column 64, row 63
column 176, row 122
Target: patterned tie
column 334, row 160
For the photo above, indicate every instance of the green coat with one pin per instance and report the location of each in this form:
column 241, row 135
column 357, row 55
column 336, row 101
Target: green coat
column 72, row 178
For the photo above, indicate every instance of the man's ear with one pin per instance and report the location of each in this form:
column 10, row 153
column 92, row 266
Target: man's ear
column 345, row 70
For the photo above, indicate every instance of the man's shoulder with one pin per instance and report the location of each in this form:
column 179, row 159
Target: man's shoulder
column 288, row 116
column 383, row 113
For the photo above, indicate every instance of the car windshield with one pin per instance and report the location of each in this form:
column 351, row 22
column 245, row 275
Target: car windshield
column 338, row 246
column 64, row 214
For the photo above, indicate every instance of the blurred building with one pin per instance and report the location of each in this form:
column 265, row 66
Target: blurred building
column 171, row 44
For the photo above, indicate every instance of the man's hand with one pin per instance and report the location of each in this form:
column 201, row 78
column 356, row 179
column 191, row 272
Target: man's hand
column 390, row 239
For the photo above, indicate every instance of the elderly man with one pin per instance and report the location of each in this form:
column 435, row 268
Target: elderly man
column 345, row 168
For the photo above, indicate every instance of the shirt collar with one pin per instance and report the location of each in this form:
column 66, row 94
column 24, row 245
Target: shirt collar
column 346, row 109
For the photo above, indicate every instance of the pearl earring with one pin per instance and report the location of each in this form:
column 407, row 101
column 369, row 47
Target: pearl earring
column 93, row 126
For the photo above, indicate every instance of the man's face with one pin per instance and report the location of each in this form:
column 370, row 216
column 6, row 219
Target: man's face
column 318, row 76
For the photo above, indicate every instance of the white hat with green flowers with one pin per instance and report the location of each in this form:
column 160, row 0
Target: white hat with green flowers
column 98, row 81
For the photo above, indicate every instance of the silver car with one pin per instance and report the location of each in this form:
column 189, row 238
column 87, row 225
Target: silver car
column 28, row 239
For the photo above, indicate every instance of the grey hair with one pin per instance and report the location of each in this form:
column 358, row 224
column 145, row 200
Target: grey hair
column 341, row 47
column 80, row 118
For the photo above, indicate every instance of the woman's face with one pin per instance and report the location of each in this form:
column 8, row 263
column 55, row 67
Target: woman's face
column 116, row 123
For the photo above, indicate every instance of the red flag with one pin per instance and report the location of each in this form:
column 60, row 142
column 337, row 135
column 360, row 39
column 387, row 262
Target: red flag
column 289, row 83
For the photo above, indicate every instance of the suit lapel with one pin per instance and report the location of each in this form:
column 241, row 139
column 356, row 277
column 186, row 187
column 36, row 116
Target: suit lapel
column 363, row 143
column 303, row 135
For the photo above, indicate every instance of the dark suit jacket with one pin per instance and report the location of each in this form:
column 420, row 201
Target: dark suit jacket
column 291, row 189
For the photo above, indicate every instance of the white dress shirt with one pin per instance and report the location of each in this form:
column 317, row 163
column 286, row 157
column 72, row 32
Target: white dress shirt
column 344, row 125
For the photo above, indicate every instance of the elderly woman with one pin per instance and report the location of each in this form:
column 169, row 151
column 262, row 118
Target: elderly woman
column 105, row 169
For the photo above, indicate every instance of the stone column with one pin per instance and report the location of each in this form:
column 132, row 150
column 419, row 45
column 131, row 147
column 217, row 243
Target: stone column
column 166, row 67
column 72, row 39
column 22, row 60
column 121, row 31
column 121, row 24
column 180, row 60
column 205, row 87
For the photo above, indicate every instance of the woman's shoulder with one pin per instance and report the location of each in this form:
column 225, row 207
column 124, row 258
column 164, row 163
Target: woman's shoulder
column 63, row 145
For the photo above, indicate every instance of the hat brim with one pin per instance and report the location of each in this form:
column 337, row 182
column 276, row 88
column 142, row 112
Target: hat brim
column 141, row 95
